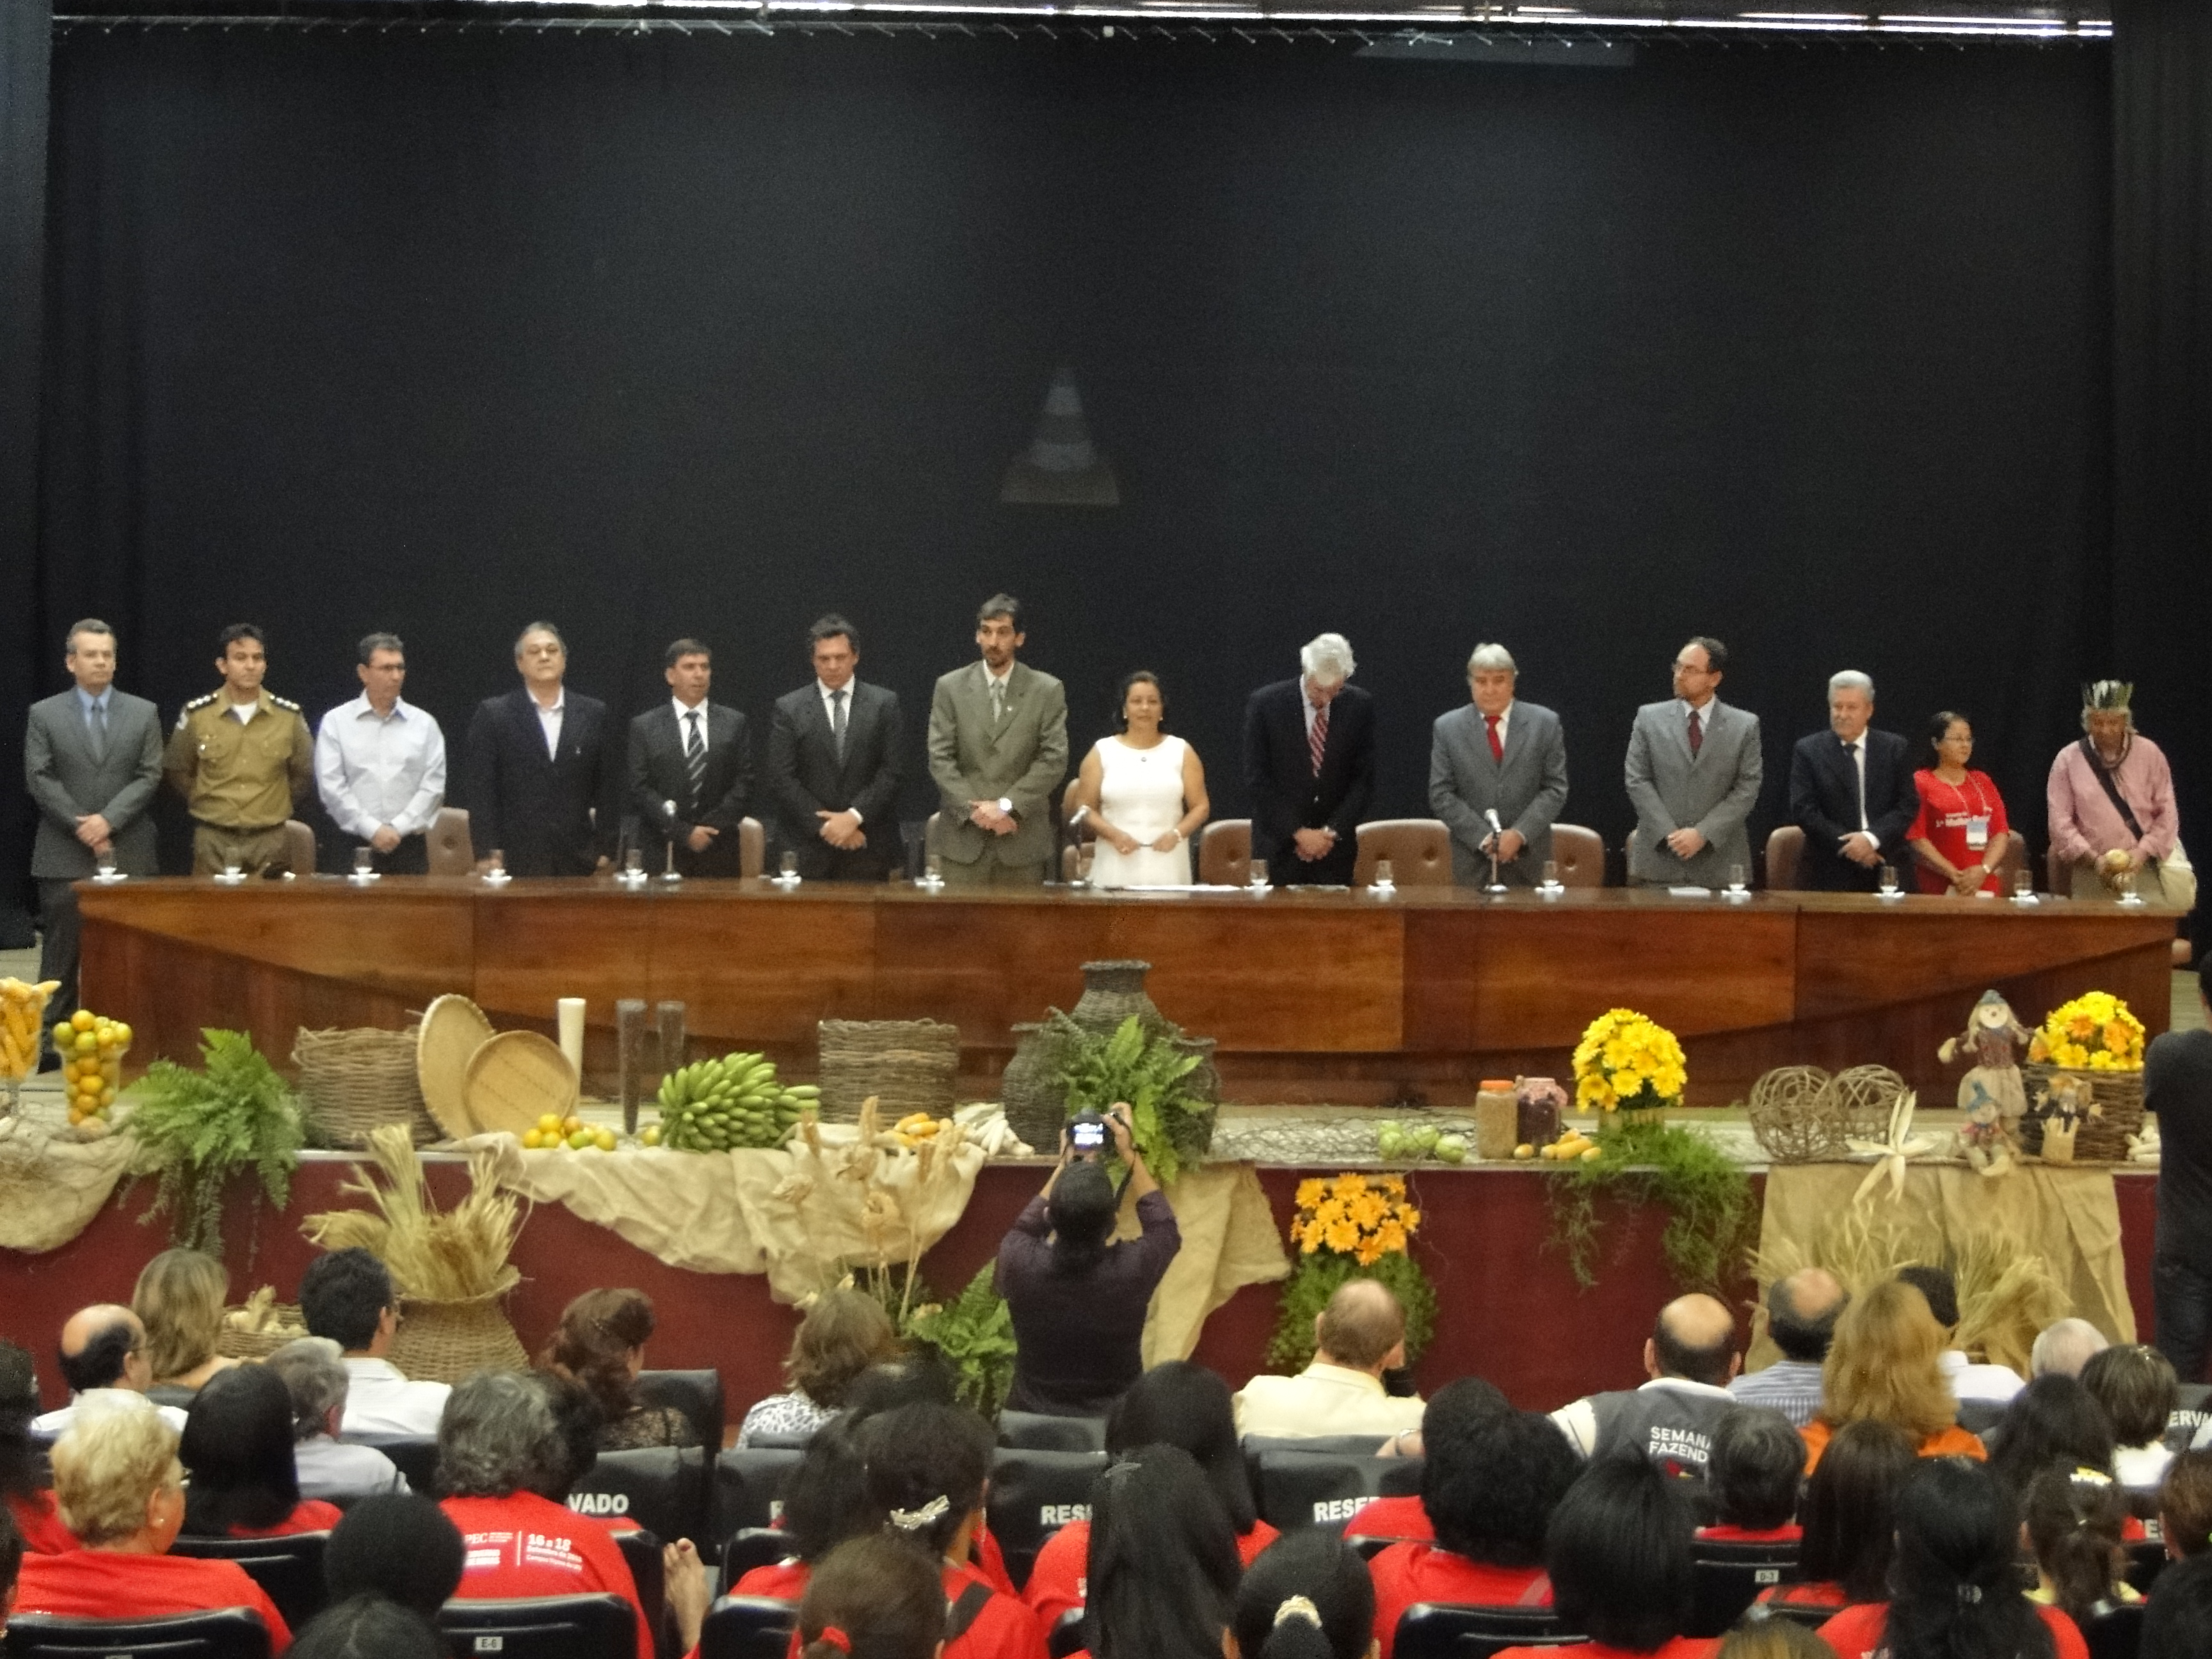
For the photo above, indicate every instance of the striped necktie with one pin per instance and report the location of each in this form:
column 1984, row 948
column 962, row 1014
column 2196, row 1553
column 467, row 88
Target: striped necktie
column 695, row 758
column 1317, row 738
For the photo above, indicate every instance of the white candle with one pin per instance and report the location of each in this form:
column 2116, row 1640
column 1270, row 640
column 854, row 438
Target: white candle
column 572, row 1031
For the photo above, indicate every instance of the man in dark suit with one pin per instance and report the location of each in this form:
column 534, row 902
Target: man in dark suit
column 691, row 770
column 832, row 764
column 1850, row 792
column 544, row 784
column 92, row 759
column 1309, row 766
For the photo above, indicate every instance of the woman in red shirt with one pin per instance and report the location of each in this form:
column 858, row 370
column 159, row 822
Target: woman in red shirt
column 29, row 1505
column 121, row 1492
column 1955, row 1586
column 1307, row 1597
column 1850, row 1518
column 1960, row 837
column 1174, row 1404
column 1618, row 1550
column 825, row 1502
column 873, row 1598
column 1163, row 1567
column 1490, row 1485
column 1758, row 1464
column 237, row 1447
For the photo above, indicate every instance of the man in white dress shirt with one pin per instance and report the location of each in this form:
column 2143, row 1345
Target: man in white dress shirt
column 314, row 1374
column 347, row 1296
column 103, row 1346
column 380, row 766
column 1357, row 1337
column 1969, row 1380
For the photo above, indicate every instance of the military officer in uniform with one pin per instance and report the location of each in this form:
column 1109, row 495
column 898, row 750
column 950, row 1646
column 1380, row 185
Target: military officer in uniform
column 242, row 759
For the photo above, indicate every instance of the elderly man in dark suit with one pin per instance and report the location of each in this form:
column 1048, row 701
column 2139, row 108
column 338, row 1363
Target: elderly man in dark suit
column 92, row 759
column 1850, row 792
column 544, row 782
column 832, row 764
column 1309, row 767
column 998, row 750
column 1497, row 756
column 691, row 770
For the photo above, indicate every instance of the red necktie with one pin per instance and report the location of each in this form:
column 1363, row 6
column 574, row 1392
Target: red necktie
column 1697, row 734
column 1496, row 749
column 1318, row 738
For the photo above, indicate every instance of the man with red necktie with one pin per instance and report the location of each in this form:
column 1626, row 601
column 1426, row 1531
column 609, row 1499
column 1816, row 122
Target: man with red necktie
column 1310, row 765
column 1497, row 754
column 1693, row 772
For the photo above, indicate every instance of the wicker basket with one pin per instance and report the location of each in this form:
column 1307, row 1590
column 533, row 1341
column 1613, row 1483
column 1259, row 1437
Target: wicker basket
column 451, row 1341
column 286, row 1324
column 2102, row 1139
column 353, row 1081
column 908, row 1065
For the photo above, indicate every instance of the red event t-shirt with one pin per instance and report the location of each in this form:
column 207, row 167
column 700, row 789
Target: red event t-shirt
column 1791, row 1533
column 1003, row 1629
column 1856, row 1632
column 1827, row 1593
column 1410, row 1572
column 1681, row 1647
column 526, row 1545
column 39, row 1519
column 109, row 1585
column 1057, row 1581
column 1945, row 811
column 311, row 1514
column 1393, row 1517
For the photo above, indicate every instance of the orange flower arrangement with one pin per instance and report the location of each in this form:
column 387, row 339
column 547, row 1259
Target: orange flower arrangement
column 1355, row 1215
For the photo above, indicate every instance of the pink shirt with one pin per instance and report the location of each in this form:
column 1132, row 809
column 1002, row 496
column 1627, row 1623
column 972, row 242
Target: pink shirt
column 2082, row 822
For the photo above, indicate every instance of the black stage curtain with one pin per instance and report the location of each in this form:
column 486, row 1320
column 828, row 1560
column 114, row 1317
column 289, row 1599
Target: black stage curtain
column 2162, row 383
column 653, row 336
column 26, row 28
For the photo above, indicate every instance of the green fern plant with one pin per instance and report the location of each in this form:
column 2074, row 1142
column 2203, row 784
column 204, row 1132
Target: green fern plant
column 974, row 1332
column 196, row 1130
column 1170, row 1126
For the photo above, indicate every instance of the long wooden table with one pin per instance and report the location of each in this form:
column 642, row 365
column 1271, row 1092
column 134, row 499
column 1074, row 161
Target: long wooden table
column 1313, row 996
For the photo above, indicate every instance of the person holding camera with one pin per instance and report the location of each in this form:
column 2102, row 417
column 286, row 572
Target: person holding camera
column 1078, row 1299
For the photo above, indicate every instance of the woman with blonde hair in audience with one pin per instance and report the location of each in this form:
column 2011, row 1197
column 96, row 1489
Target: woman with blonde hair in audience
column 1884, row 1364
column 1773, row 1638
column 600, row 1345
column 843, row 1333
column 122, row 1493
column 180, row 1299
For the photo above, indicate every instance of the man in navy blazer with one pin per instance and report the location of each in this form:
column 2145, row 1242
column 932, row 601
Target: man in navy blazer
column 832, row 764
column 1309, row 767
column 544, row 779
column 1851, row 792
column 690, row 770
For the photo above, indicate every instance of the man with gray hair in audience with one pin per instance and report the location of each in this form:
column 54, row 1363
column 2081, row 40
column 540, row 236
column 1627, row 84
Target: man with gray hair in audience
column 313, row 1372
column 1498, row 776
column 1851, row 792
column 1801, row 1310
column 1359, row 1335
column 2063, row 1348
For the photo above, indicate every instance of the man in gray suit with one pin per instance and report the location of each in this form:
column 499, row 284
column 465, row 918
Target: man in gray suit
column 1502, row 756
column 998, row 750
column 1693, row 773
column 91, row 758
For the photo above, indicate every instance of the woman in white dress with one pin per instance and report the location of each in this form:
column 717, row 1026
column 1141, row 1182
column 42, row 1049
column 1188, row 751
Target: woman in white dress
column 1145, row 794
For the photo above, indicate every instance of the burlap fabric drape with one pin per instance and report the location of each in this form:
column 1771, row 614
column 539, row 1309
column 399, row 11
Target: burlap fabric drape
column 1229, row 1241
column 2070, row 1216
column 51, row 1187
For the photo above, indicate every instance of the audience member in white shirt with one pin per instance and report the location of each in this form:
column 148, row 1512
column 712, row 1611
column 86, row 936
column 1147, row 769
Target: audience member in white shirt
column 314, row 1374
column 347, row 1296
column 103, row 1346
column 1357, row 1337
column 1968, row 1380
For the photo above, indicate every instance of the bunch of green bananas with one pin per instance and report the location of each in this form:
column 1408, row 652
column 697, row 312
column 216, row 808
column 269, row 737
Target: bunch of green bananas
column 713, row 1105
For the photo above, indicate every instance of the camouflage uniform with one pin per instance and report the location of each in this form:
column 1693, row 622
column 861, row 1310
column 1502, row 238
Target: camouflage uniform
column 240, row 781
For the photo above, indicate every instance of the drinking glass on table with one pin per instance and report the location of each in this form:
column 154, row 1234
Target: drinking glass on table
column 1736, row 879
column 364, row 863
column 103, row 863
column 788, row 866
column 1888, row 881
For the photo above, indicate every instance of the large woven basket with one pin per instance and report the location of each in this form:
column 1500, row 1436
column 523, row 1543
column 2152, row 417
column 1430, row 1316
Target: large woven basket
column 353, row 1081
column 908, row 1065
column 286, row 1324
column 451, row 1341
column 2102, row 1139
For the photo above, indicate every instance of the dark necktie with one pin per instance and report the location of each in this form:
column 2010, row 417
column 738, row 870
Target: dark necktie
column 1496, row 747
column 695, row 758
column 837, row 720
column 99, row 731
column 1697, row 734
column 1318, row 738
column 1858, row 780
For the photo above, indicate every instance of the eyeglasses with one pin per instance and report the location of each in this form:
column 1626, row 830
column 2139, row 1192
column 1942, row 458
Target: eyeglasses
column 1678, row 667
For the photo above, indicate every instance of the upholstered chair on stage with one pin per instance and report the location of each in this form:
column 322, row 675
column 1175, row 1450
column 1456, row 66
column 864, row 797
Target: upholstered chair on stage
column 1420, row 851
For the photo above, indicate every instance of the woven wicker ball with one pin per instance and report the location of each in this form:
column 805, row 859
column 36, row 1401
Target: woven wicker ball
column 1795, row 1114
column 1862, row 1099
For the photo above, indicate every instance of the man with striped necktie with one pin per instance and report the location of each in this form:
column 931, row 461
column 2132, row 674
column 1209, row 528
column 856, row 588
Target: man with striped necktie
column 1310, row 768
column 690, row 771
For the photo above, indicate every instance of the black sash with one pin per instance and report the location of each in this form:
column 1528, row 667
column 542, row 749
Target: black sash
column 2112, row 790
column 964, row 1610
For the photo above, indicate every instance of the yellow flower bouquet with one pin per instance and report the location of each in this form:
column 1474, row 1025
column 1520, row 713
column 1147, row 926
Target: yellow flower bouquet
column 2094, row 1032
column 1627, row 1062
column 1354, row 1226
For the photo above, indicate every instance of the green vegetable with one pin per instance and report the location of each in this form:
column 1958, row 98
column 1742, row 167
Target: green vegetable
column 196, row 1130
column 976, row 1333
column 1641, row 1159
column 1170, row 1126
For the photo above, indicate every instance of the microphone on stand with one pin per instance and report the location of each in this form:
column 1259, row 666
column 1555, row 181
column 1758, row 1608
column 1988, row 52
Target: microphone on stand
column 1497, row 834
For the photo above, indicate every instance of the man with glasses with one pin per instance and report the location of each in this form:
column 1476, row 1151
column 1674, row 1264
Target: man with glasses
column 103, row 1346
column 1693, row 775
column 380, row 766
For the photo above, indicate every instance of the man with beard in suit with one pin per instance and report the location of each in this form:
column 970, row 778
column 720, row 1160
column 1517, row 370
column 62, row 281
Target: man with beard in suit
column 691, row 770
column 545, row 785
column 832, row 764
column 998, row 751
